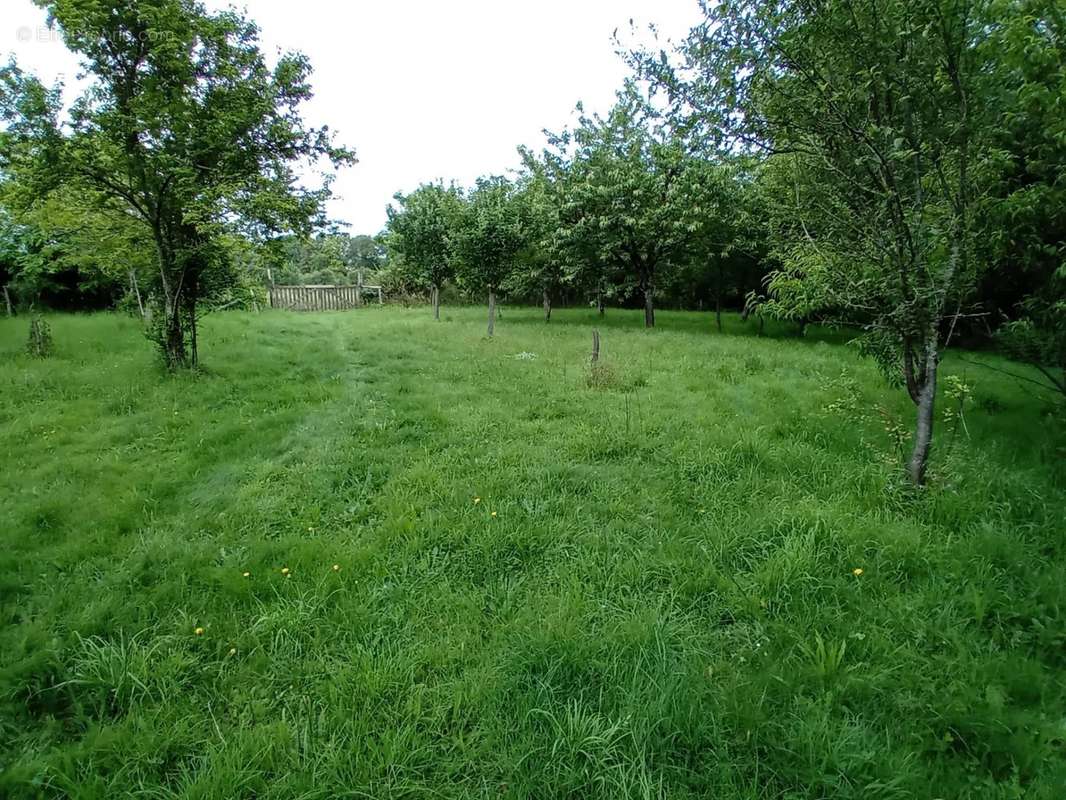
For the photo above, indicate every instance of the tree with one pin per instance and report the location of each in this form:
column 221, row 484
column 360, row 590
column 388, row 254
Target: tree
column 187, row 127
column 321, row 259
column 418, row 232
column 630, row 193
column 487, row 239
column 1039, row 336
column 540, row 265
column 875, row 113
column 76, row 254
column 10, row 257
column 725, row 256
column 364, row 253
column 1023, row 230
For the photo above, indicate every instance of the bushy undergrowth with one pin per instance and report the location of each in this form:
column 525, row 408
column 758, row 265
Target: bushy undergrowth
column 365, row 554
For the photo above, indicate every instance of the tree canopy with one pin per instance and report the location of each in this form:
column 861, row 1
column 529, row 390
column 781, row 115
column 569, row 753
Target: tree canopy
column 419, row 227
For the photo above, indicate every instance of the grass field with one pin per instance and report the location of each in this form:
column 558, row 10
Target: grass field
column 692, row 574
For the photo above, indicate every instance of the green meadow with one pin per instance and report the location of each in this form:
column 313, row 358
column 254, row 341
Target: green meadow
column 363, row 554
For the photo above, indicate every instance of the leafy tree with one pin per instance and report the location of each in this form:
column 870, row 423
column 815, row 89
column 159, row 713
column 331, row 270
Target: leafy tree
column 540, row 267
column 487, row 239
column 186, row 125
column 321, row 259
column 364, row 253
column 418, row 233
column 631, row 196
column 724, row 258
column 1039, row 336
column 10, row 256
column 1023, row 230
column 73, row 254
column 875, row 112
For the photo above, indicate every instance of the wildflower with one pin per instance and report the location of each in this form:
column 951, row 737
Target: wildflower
column 246, row 574
column 336, row 567
column 284, row 570
column 493, row 514
column 857, row 571
column 477, row 500
column 199, row 631
column 233, row 651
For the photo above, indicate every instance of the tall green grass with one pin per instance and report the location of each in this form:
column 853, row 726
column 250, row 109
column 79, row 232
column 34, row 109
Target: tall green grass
column 638, row 583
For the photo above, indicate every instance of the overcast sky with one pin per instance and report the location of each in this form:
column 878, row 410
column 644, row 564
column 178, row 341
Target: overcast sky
column 421, row 89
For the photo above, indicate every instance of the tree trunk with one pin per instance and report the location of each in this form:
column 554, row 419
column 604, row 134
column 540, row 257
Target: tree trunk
column 436, row 302
column 923, row 430
column 599, row 303
column 649, row 308
column 136, row 292
column 173, row 339
column 7, row 300
column 595, row 346
column 194, row 356
column 547, row 306
column 492, row 310
column 718, row 299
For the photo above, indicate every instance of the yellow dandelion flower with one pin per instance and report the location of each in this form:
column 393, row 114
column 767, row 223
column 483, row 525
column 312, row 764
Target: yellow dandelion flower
column 246, row 574
column 199, row 631
column 336, row 567
column 284, row 570
column 857, row 571
column 493, row 514
column 477, row 500
column 233, row 651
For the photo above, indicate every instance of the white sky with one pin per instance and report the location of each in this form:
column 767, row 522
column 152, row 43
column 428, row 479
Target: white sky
column 420, row 89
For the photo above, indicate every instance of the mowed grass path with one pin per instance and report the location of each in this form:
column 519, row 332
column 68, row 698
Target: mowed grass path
column 655, row 596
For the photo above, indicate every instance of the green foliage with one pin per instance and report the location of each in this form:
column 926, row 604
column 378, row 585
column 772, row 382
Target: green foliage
column 1039, row 337
column 541, row 265
column 641, row 618
column 365, row 252
column 67, row 251
column 1023, row 227
column 324, row 259
column 631, row 198
column 877, row 121
column 184, row 127
column 485, row 242
column 418, row 234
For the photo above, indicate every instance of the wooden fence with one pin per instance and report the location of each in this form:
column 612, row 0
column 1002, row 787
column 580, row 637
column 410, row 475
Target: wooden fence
column 321, row 297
